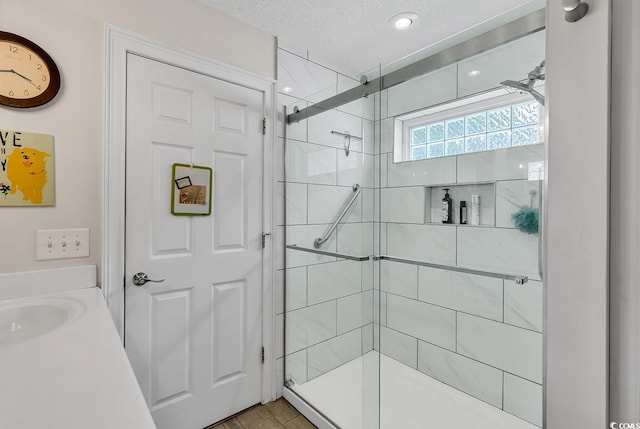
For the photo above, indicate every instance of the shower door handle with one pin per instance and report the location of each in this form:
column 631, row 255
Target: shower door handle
column 141, row 278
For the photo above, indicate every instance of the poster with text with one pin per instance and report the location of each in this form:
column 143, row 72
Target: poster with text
column 26, row 169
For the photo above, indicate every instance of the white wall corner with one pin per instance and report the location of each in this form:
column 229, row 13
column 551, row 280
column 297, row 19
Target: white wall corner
column 577, row 217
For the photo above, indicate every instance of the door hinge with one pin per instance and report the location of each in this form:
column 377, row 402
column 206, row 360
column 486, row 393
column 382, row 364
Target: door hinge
column 264, row 238
column 264, row 125
column 262, row 355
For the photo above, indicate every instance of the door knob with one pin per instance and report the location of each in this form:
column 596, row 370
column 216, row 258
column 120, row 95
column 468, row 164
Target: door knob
column 141, row 278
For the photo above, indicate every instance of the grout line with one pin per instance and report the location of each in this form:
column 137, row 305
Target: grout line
column 495, row 204
column 502, row 407
column 465, row 356
column 456, row 331
column 464, row 312
column 503, row 300
column 290, row 139
column 457, row 79
column 457, row 160
column 336, row 303
column 337, row 151
column 417, row 283
column 457, row 246
column 307, row 199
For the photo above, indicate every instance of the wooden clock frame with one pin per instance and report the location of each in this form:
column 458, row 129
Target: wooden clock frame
column 54, row 74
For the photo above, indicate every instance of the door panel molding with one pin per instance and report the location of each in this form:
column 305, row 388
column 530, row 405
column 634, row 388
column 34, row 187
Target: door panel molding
column 118, row 43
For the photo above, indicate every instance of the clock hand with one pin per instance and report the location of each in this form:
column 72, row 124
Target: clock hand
column 24, row 77
column 21, row 75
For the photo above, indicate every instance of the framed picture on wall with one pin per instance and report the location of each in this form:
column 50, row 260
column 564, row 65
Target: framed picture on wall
column 27, row 173
column 191, row 190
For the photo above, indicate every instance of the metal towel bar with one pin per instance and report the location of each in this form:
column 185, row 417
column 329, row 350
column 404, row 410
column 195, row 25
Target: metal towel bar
column 322, row 252
column 321, row 240
column 516, row 278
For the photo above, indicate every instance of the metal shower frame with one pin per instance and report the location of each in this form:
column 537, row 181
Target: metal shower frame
column 506, row 33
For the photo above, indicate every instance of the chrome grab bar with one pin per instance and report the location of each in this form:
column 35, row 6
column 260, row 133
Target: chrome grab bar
column 321, row 240
column 322, row 252
column 516, row 278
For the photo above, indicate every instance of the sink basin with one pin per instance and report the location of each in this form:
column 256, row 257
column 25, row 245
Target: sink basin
column 25, row 319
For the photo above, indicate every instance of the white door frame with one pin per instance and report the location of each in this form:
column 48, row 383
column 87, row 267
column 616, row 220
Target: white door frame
column 118, row 43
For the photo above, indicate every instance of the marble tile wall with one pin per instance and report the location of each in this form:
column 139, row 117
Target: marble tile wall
column 479, row 334
column 328, row 302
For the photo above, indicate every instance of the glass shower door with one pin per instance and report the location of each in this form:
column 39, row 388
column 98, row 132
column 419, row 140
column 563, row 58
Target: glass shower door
column 329, row 192
column 397, row 315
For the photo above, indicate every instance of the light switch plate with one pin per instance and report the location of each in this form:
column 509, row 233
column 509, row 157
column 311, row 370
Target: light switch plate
column 62, row 243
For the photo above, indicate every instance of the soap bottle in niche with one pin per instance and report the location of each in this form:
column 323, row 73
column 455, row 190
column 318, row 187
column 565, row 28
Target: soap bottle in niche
column 447, row 205
column 463, row 212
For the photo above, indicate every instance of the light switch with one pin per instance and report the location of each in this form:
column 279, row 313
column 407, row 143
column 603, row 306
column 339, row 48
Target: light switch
column 62, row 243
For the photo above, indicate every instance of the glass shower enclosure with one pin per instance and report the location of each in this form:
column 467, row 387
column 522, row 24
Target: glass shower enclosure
column 404, row 306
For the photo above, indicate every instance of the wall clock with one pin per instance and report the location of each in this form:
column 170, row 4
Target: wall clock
column 28, row 75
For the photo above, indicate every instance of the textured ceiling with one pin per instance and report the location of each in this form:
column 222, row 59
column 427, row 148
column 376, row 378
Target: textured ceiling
column 354, row 35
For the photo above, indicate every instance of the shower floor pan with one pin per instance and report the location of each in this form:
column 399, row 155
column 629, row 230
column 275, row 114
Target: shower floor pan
column 409, row 399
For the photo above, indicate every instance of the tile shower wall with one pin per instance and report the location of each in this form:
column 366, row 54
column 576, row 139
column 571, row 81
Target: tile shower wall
column 329, row 302
column 478, row 334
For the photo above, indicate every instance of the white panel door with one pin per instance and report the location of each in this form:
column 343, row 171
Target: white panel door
column 194, row 340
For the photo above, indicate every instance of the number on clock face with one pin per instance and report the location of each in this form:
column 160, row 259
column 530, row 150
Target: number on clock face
column 22, row 73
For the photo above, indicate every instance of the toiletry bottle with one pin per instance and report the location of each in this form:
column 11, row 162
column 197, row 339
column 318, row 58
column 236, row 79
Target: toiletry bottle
column 447, row 205
column 475, row 209
column 463, row 212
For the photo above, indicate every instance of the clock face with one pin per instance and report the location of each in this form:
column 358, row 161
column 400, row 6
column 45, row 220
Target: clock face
column 28, row 76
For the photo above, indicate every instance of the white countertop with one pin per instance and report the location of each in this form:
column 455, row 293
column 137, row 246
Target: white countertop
column 76, row 377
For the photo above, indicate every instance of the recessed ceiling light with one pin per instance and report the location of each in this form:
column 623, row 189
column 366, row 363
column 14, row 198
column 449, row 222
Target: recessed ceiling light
column 287, row 89
column 473, row 73
column 402, row 21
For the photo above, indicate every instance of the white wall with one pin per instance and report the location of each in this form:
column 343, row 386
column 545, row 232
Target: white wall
column 624, row 401
column 72, row 31
column 577, row 257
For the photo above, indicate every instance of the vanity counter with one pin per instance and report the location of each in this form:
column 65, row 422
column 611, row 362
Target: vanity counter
column 76, row 376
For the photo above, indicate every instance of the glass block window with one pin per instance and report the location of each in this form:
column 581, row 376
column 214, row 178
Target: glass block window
column 435, row 132
column 418, row 136
column 455, row 128
column 499, row 128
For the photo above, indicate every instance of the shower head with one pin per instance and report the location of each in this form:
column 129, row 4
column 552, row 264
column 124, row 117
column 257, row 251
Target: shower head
column 527, row 84
column 518, row 86
column 522, row 88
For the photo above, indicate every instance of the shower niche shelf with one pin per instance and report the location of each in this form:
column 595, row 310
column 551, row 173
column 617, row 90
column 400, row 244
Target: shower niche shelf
column 462, row 192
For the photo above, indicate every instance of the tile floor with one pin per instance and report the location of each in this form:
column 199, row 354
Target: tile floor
column 274, row 415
